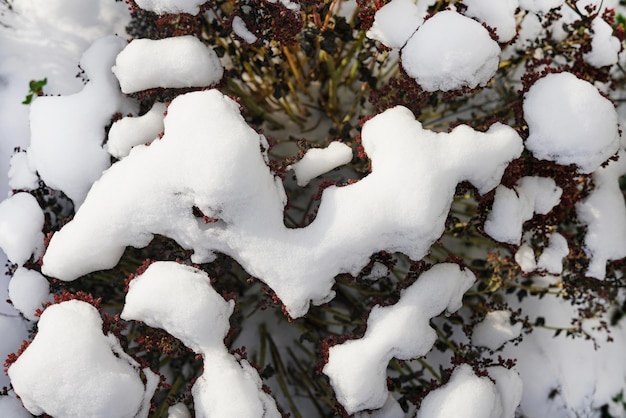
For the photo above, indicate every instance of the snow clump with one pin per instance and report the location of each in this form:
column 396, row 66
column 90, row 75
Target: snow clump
column 570, row 122
column 157, row 187
column 395, row 23
column 21, row 222
column 499, row 15
column 180, row 300
column 476, row 397
column 178, row 62
column 161, row 7
column 450, row 51
column 67, row 131
column 511, row 208
column 29, row 291
column 356, row 368
column 131, row 131
column 604, row 214
column 99, row 379
column 495, row 330
column 318, row 161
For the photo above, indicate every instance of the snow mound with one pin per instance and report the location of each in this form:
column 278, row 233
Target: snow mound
column 540, row 6
column 182, row 61
column 99, row 379
column 21, row 223
column 67, row 132
column 476, row 397
column 29, row 291
column 604, row 214
column 131, row 131
column 21, row 175
column 357, row 368
column 171, row 6
column 208, row 152
column 604, row 46
column 511, row 208
column 180, row 300
column 499, row 15
column 395, row 23
column 450, row 51
column 495, row 330
column 563, row 112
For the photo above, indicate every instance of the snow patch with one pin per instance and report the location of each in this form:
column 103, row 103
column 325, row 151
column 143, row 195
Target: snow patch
column 177, row 62
column 450, row 51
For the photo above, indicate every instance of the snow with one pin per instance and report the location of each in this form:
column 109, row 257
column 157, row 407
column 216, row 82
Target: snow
column 495, row 330
column 178, row 410
column 604, row 214
column 476, row 397
column 171, row 6
column 396, row 22
column 525, row 258
column 131, row 131
column 21, row 175
column 240, row 29
column 153, row 195
column 357, row 368
column 498, row 15
column 540, row 6
column 182, row 61
column 604, row 46
column 11, row 407
column 21, row 222
column 175, row 297
column 318, row 161
column 511, row 208
column 551, row 259
column 583, row 375
column 563, row 112
column 96, row 382
column 67, row 131
column 450, row 51
column 28, row 291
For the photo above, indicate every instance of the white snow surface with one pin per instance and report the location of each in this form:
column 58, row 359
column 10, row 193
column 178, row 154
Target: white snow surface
column 495, row 330
column 67, row 132
column 178, row 410
column 21, row 175
column 604, row 214
column 604, row 46
column 171, row 6
column 11, row 407
column 470, row 396
column 208, row 153
column 450, row 51
column 240, row 29
column 544, row 361
column 563, row 112
column 181, row 300
column 500, row 15
column 540, row 6
column 511, row 208
column 318, row 161
column 130, row 131
column 28, row 291
column 525, row 258
column 95, row 382
column 21, row 223
column 396, row 22
column 177, row 62
column 357, row 368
